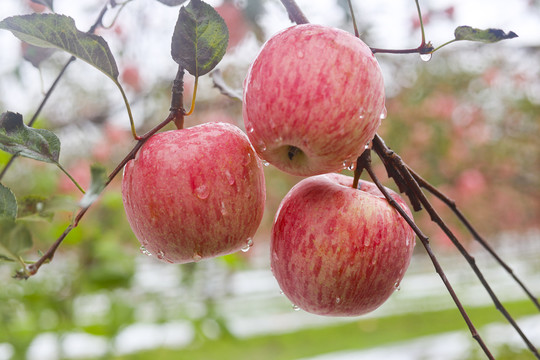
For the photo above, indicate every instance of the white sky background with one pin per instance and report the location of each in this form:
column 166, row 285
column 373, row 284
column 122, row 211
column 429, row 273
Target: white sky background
column 389, row 22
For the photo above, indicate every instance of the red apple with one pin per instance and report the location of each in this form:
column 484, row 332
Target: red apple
column 313, row 97
column 336, row 250
column 194, row 193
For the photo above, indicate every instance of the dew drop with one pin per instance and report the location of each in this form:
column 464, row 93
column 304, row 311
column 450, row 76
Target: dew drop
column 160, row 255
column 300, row 54
column 230, row 178
column 197, row 257
column 384, row 113
column 425, row 57
column 397, row 285
column 295, row 307
column 144, row 251
column 248, row 245
column 250, row 129
column 223, row 209
column 266, row 163
column 262, row 147
column 281, row 292
column 202, row 191
column 338, row 300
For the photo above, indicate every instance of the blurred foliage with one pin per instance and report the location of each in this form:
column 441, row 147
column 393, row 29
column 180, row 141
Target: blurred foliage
column 468, row 121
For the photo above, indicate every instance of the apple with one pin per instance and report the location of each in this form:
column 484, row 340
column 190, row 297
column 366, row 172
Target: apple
column 313, row 98
column 336, row 250
column 194, row 193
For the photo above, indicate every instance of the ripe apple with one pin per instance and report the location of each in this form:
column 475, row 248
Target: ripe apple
column 313, row 98
column 194, row 193
column 336, row 250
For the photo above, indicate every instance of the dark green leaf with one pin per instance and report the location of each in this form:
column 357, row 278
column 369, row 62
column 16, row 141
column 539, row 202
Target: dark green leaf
column 47, row 3
column 8, row 203
column 18, row 139
column 59, row 31
column 486, row 36
column 172, row 2
column 14, row 238
column 99, row 180
column 200, row 38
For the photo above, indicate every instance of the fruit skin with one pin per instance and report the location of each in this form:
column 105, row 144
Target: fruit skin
column 339, row 251
column 316, row 89
column 194, row 193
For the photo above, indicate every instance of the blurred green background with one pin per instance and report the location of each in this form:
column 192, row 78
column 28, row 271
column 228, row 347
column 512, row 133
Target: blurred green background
column 468, row 121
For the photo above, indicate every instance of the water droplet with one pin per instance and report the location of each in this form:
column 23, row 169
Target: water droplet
column 202, row 191
column 384, row 113
column 397, row 285
column 248, row 245
column 229, row 177
column 278, row 140
column 281, row 292
column 197, row 257
column 295, row 307
column 144, row 251
column 407, row 242
column 338, row 300
column 223, row 210
column 160, row 255
column 425, row 57
column 300, row 54
column 266, row 163
column 250, row 129
column 262, row 146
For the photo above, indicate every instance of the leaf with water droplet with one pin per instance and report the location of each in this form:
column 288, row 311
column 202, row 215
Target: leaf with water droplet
column 487, row 35
column 59, row 31
column 18, row 139
column 8, row 203
column 200, row 38
column 97, row 184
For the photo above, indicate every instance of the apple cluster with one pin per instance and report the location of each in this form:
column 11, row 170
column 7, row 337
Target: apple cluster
column 313, row 99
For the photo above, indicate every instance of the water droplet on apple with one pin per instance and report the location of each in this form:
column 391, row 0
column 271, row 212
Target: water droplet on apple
column 229, row 177
column 160, row 255
column 425, row 57
column 407, row 242
column 249, row 129
column 281, row 292
column 367, row 241
column 338, row 300
column 300, row 54
column 144, row 251
column 248, row 245
column 197, row 257
column 397, row 285
column 295, row 307
column 262, row 147
column 223, row 209
column 278, row 140
column 266, row 163
column 202, row 191
column 384, row 113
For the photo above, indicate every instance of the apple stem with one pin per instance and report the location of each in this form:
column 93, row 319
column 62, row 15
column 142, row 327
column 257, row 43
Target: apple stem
column 194, row 96
column 363, row 162
column 391, row 159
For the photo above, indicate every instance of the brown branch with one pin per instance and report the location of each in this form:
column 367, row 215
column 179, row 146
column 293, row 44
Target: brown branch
column 366, row 163
column 452, row 205
column 295, row 14
column 402, row 168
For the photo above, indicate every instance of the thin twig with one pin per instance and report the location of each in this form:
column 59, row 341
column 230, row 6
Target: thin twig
column 397, row 162
column 365, row 163
column 452, row 205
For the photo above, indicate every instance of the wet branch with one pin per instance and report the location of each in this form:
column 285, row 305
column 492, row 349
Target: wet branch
column 394, row 161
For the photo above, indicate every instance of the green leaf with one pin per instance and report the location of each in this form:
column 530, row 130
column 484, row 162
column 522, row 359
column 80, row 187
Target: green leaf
column 8, row 203
column 486, row 36
column 200, row 38
column 59, row 31
column 47, row 3
column 14, row 238
column 172, row 2
column 98, row 183
column 18, row 139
